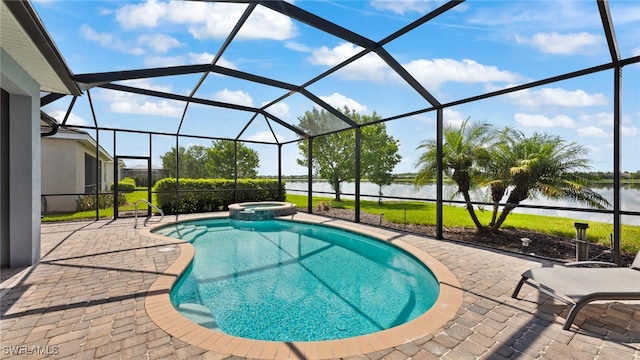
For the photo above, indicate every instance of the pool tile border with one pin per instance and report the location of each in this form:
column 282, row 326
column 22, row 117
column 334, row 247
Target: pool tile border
column 159, row 308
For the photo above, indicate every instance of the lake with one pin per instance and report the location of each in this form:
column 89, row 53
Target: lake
column 629, row 198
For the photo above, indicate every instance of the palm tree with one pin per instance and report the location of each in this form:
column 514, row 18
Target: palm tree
column 496, row 164
column 460, row 149
column 549, row 166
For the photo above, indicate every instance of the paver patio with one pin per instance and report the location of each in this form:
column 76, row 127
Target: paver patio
column 85, row 300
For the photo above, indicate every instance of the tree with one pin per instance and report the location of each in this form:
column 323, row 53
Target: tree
column 169, row 161
column 379, row 156
column 195, row 161
column 217, row 161
column 462, row 147
column 496, row 164
column 547, row 165
column 510, row 163
column 334, row 154
column 221, row 160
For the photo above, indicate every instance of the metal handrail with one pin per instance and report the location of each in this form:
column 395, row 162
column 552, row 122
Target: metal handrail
column 149, row 214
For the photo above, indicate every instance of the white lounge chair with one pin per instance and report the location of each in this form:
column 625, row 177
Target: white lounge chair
column 577, row 285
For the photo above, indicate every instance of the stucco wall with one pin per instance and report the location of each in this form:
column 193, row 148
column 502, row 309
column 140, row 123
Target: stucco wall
column 63, row 171
column 23, row 173
column 59, row 174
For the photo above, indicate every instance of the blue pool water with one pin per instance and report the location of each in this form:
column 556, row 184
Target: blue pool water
column 289, row 281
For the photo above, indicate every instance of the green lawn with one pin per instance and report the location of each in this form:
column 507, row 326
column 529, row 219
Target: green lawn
column 425, row 214
column 132, row 197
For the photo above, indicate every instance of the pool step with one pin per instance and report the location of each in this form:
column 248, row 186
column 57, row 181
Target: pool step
column 199, row 314
column 194, row 233
column 185, row 232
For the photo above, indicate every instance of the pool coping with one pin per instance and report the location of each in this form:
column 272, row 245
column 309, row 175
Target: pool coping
column 164, row 315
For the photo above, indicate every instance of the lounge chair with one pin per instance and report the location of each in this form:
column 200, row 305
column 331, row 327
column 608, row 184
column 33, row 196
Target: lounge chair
column 580, row 283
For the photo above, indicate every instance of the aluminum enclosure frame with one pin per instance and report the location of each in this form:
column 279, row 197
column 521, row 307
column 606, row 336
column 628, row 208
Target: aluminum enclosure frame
column 108, row 80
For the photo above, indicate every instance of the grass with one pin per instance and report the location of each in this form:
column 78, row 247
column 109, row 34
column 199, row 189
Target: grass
column 132, row 197
column 422, row 213
column 425, row 214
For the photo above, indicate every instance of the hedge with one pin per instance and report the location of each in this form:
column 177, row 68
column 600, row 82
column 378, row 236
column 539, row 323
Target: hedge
column 126, row 184
column 208, row 195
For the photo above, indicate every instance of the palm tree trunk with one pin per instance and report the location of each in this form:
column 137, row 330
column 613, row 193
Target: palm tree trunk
column 503, row 216
column 472, row 213
column 494, row 215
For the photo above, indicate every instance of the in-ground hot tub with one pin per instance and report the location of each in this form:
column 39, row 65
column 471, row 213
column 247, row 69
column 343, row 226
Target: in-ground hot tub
column 264, row 210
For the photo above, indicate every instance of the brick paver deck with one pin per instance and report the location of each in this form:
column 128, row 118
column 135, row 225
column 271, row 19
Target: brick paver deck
column 85, row 300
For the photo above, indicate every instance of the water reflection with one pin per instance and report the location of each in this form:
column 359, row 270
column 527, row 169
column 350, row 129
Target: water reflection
column 629, row 198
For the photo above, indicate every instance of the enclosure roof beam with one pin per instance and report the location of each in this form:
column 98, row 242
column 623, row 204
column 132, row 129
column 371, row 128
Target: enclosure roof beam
column 253, row 78
column 406, row 76
column 185, row 98
column 609, row 32
column 97, row 79
column 177, row 97
column 49, row 98
column 319, row 23
column 430, row 16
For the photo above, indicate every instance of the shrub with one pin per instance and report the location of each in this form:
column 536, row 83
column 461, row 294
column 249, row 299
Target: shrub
column 207, row 195
column 126, row 184
column 88, row 202
column 129, row 180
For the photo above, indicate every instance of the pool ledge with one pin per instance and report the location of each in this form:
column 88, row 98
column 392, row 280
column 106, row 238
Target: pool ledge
column 164, row 315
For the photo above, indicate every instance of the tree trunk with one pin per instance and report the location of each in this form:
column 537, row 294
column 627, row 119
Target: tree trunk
column 503, row 216
column 516, row 196
column 472, row 213
column 497, row 192
column 494, row 215
column 335, row 184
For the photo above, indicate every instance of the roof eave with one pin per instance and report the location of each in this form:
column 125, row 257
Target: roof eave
column 26, row 15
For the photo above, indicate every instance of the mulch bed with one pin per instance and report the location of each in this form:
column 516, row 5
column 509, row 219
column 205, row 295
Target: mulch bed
column 542, row 245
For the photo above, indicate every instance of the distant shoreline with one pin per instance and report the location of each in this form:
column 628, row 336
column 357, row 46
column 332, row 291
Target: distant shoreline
column 406, row 180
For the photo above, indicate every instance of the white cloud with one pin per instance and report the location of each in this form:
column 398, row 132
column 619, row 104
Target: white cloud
column 453, row 118
column 570, row 15
column 207, row 20
column 186, row 59
column 267, row 136
column 557, row 97
column 541, row 121
column 563, row 44
column 159, row 42
column 108, row 41
column 403, row 6
column 296, row 46
column 601, row 118
column 333, row 56
column 339, row 101
column 629, row 131
column 433, row 73
column 72, row 120
column 238, row 97
column 592, row 131
column 279, row 109
column 369, row 67
column 142, row 106
column 127, row 103
column 147, row 84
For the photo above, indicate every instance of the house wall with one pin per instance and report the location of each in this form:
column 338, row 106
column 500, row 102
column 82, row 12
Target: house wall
column 106, row 164
column 63, row 169
column 60, row 174
column 20, row 212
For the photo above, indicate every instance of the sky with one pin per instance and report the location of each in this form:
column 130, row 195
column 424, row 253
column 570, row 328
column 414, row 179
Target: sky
column 474, row 48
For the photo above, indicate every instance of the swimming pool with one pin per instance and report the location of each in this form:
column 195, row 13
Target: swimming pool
column 289, row 281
